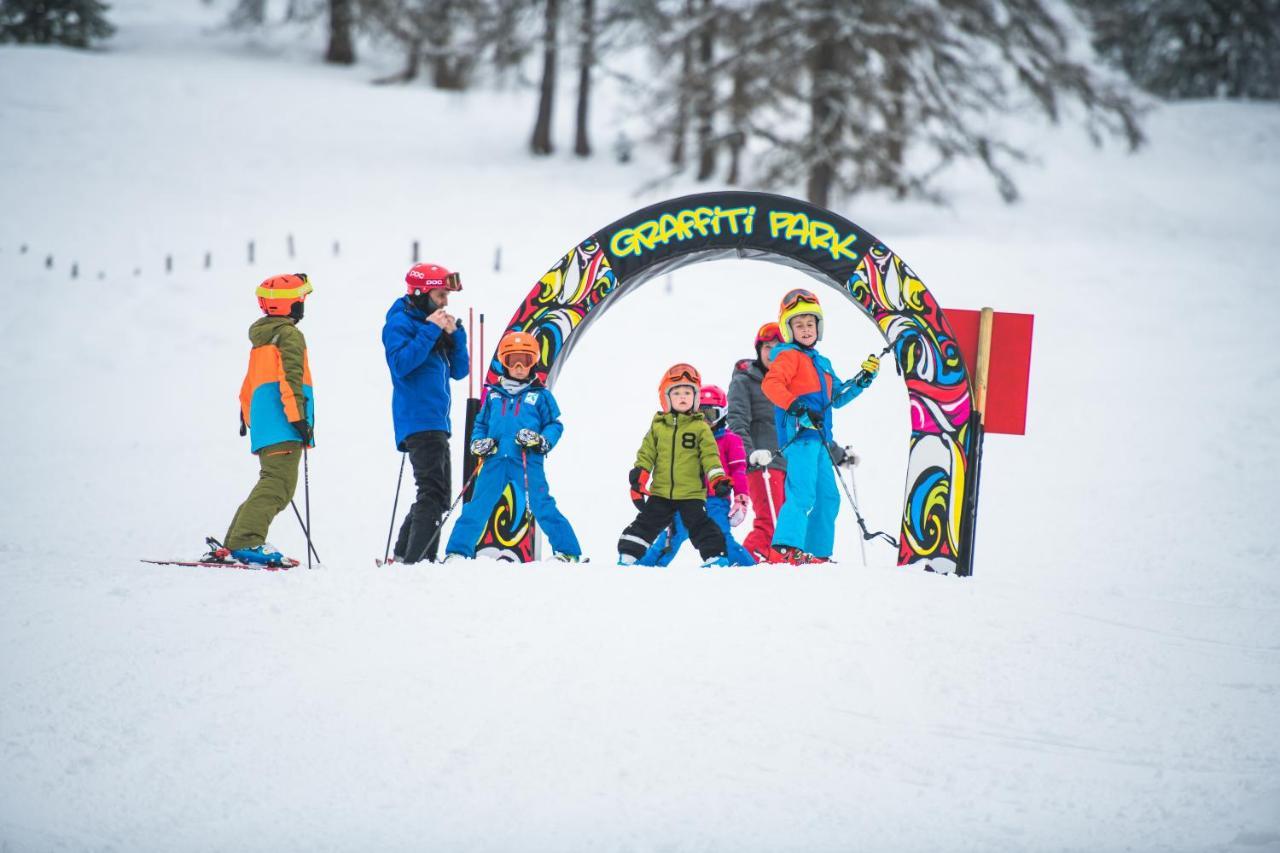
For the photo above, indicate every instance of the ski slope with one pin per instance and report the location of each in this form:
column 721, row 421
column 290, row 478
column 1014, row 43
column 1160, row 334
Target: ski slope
column 1108, row 680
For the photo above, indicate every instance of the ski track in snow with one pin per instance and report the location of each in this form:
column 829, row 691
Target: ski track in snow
column 1109, row 679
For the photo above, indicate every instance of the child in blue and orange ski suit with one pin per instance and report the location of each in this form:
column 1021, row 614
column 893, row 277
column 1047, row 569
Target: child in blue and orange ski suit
column 517, row 426
column 805, row 388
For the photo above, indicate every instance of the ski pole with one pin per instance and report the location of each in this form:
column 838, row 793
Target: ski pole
column 310, row 545
column 394, row 505
column 853, row 485
column 456, row 501
column 866, row 534
column 306, row 498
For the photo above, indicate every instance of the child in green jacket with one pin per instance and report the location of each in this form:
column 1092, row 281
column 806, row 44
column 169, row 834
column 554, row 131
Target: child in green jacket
column 677, row 460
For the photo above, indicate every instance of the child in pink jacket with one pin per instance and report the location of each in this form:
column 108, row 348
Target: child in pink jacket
column 714, row 406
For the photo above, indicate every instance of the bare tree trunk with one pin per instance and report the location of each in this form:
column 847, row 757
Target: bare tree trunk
column 681, row 124
column 249, row 13
column 823, row 130
column 341, row 51
column 738, row 107
column 586, row 59
column 541, row 141
column 706, row 94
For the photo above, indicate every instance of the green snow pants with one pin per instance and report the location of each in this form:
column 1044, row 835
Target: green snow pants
column 276, row 483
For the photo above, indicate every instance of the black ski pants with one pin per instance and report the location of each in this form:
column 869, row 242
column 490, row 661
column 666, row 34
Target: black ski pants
column 429, row 456
column 704, row 533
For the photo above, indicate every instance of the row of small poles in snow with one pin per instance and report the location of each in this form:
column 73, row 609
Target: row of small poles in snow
column 251, row 252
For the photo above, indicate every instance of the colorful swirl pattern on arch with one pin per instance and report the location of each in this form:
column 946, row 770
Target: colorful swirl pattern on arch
column 557, row 304
column 938, row 390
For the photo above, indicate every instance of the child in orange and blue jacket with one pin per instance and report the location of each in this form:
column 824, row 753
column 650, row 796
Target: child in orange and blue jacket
column 805, row 388
column 276, row 408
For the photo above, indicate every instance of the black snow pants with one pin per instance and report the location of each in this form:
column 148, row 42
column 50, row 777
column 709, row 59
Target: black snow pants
column 704, row 533
column 429, row 456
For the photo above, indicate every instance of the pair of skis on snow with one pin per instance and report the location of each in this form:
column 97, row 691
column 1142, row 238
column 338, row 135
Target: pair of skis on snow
column 219, row 557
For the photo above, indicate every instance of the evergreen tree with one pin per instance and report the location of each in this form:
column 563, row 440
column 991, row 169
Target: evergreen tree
column 1192, row 48
column 75, row 23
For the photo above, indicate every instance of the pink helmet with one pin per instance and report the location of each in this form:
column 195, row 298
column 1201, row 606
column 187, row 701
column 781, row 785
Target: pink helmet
column 424, row 277
column 713, row 403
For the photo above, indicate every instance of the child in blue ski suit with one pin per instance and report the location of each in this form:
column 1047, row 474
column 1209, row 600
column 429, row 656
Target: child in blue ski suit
column 805, row 388
column 516, row 427
column 714, row 406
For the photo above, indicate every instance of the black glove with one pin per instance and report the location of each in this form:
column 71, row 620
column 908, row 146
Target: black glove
column 722, row 488
column 243, row 429
column 304, row 430
column 639, row 479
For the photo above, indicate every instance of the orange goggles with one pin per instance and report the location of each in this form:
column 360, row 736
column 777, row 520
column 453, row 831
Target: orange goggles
column 453, row 281
column 519, row 359
column 769, row 332
column 683, row 373
column 795, row 297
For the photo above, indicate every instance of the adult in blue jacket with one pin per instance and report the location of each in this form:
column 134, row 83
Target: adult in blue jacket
column 426, row 347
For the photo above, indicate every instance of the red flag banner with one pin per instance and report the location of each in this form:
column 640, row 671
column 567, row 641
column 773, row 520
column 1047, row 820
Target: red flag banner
column 1010, row 365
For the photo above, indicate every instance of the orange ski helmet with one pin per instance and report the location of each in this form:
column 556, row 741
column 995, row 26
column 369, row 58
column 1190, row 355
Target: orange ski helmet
column 518, row 346
column 677, row 375
column 766, row 333
column 277, row 295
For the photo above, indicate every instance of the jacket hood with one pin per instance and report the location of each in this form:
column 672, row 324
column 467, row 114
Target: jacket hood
column 750, row 366
column 266, row 328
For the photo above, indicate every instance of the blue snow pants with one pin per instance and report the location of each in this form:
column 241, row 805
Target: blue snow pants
column 493, row 478
column 807, row 519
column 661, row 553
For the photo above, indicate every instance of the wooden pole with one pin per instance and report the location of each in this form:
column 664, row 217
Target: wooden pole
column 982, row 378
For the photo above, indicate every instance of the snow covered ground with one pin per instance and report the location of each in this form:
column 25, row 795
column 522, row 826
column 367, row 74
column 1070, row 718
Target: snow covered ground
column 1109, row 679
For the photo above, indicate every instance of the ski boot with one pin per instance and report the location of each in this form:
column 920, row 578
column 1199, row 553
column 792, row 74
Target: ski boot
column 626, row 560
column 454, row 558
column 722, row 560
column 787, row 555
column 562, row 557
column 262, row 555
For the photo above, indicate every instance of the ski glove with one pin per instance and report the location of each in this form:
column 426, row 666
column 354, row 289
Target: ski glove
column 484, row 447
column 843, row 455
column 870, row 368
column 760, row 458
column 809, row 418
column 304, row 430
column 530, row 440
column 721, row 486
column 738, row 512
column 639, row 486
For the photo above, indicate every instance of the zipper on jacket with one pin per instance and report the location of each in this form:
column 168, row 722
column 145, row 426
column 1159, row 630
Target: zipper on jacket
column 675, row 433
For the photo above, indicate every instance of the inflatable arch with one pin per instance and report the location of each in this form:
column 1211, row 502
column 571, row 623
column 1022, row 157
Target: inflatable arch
column 937, row 530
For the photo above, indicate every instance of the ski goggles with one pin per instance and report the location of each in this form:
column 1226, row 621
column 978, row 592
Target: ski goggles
column 713, row 414
column 451, row 282
column 795, row 297
column 519, row 359
column 683, row 373
column 768, row 332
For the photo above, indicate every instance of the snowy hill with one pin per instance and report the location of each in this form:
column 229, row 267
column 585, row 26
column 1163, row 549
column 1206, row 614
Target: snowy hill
column 1109, row 679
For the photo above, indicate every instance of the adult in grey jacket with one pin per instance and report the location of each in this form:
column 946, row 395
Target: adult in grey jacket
column 751, row 418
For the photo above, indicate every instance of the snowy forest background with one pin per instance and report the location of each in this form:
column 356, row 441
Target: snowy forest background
column 837, row 97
